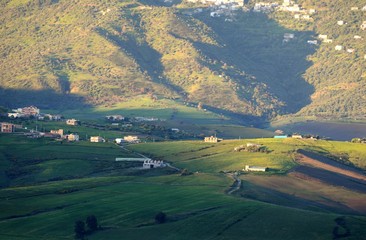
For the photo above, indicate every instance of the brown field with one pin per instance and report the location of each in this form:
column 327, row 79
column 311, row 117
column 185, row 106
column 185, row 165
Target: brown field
column 316, row 184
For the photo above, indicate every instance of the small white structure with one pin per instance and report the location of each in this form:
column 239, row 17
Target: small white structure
column 357, row 37
column 96, row 139
column 323, row 36
column 363, row 26
column 255, row 169
column 338, row 48
column 340, row 22
column 312, row 42
column 287, row 37
column 328, row 40
column 350, row 50
column 176, row 130
column 118, row 140
column 148, row 164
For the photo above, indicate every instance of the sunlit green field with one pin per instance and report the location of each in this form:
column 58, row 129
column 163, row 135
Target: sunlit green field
column 215, row 157
column 61, row 183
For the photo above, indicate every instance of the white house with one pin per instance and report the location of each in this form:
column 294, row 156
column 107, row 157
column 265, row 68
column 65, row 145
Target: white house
column 72, row 122
column 14, row 115
column 131, row 139
column 254, row 169
column 96, row 139
column 313, row 42
column 148, row 164
column 72, row 137
column 338, row 48
column 340, row 22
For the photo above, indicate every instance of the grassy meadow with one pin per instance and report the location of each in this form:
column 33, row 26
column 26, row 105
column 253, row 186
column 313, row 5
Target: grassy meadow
column 47, row 186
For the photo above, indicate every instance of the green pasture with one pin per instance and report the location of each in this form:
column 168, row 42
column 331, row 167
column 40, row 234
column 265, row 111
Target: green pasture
column 62, row 183
column 215, row 157
column 196, row 208
column 142, row 106
column 25, row 161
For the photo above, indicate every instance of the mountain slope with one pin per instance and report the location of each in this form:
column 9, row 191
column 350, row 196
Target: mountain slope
column 87, row 52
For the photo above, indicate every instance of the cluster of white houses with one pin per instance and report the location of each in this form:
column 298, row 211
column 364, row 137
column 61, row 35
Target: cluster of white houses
column 33, row 111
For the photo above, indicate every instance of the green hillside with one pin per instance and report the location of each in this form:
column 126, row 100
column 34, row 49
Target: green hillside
column 62, row 54
column 47, row 186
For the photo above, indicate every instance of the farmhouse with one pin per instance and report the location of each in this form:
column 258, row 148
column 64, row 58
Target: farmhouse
column 132, row 139
column 7, row 127
column 58, row 132
column 298, row 136
column 96, row 139
column 148, row 164
column 212, row 139
column 72, row 122
column 72, row 137
column 255, row 169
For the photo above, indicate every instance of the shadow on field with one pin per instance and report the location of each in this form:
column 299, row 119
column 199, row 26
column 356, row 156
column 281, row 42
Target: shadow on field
column 259, row 193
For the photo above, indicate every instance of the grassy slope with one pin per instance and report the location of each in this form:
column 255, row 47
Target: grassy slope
column 200, row 156
column 196, row 204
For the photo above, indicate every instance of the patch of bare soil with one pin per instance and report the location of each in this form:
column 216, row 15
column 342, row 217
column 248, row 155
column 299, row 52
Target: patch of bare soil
column 318, row 161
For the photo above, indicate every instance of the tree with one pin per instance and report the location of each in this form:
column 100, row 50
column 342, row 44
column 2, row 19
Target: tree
column 79, row 229
column 160, row 218
column 92, row 223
